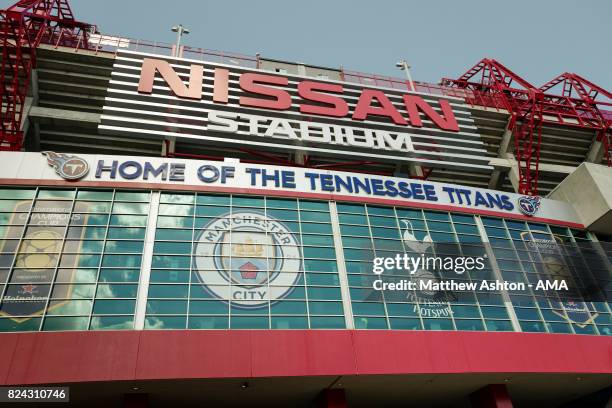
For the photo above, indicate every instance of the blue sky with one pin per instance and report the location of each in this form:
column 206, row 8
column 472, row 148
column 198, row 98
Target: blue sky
column 537, row 39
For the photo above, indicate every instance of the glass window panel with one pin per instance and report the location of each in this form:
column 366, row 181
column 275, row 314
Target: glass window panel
column 119, row 275
column 322, row 279
column 385, row 232
column 166, row 307
column 280, row 203
column 172, row 248
column 326, row 308
column 99, row 195
column 311, row 216
column 354, row 230
column 374, row 323
column 210, row 199
column 404, row 324
column 173, row 234
column 92, row 206
column 498, row 325
column 289, row 322
column 165, row 322
column 283, row 214
column 289, row 307
column 412, row 214
column 132, row 196
column 208, row 322
column 126, row 233
column 383, row 222
column 186, row 198
column 353, row 219
column 11, row 205
column 439, row 226
column 208, row 307
column 124, row 246
column 176, row 209
column 529, row 326
column 112, row 323
column 174, row 222
column 320, row 240
column 168, row 291
column 249, row 322
column 369, row 308
column 471, row 324
column 384, row 211
column 114, row 307
column 319, row 322
column 181, row 262
column 438, row 324
column 65, row 323
column 319, row 252
column 351, row 208
column 17, row 193
column 210, row 211
column 325, row 293
column 10, row 325
column 116, row 291
column 311, row 228
column 247, row 201
column 129, row 220
column 125, row 261
column 69, row 307
column 314, row 205
column 56, row 193
column 169, row 276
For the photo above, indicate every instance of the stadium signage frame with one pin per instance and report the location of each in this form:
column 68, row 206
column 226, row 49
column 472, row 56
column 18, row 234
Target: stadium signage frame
column 227, row 106
column 233, row 176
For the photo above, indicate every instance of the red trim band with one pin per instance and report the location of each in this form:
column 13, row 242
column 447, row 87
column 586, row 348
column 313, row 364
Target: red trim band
column 64, row 357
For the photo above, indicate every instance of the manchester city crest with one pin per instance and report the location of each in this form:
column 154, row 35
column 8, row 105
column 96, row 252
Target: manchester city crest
column 68, row 167
column 248, row 259
column 529, row 205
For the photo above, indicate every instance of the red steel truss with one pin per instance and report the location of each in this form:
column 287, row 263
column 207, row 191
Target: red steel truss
column 579, row 98
column 531, row 107
column 23, row 27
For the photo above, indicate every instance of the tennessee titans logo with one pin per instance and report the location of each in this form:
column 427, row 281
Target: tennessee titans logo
column 529, row 205
column 68, row 167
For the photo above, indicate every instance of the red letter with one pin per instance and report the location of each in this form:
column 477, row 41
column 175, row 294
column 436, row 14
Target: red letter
column 220, row 87
column 338, row 108
column 147, row 76
column 414, row 103
column 248, row 83
column 364, row 107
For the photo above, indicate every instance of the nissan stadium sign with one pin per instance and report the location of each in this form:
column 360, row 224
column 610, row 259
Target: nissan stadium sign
column 229, row 106
column 233, row 176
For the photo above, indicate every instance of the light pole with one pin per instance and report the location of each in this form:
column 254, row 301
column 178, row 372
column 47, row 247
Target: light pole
column 403, row 65
column 179, row 30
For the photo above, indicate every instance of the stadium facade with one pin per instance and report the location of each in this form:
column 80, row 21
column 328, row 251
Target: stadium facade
column 185, row 226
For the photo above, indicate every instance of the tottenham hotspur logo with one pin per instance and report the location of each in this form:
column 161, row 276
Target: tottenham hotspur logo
column 248, row 259
column 68, row 167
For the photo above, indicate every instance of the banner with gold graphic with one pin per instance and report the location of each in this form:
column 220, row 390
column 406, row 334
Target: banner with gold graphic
column 36, row 257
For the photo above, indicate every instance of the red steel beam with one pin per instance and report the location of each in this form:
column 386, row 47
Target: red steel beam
column 24, row 26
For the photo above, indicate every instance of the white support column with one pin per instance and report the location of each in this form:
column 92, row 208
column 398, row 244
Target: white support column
column 342, row 274
column 147, row 259
column 498, row 275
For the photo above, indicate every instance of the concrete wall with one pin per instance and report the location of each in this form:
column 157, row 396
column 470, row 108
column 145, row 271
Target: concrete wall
column 589, row 190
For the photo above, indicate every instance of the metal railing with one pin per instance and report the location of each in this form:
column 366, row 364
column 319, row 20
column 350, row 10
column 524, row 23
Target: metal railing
column 111, row 44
